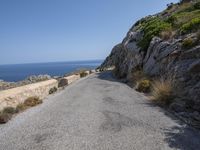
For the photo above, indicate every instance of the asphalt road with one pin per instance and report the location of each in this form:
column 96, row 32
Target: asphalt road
column 97, row 113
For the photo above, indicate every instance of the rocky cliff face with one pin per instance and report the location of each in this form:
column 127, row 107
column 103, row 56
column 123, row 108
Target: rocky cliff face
column 166, row 44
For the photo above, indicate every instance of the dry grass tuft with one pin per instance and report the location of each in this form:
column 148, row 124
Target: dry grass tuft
column 162, row 91
column 32, row 101
column 167, row 34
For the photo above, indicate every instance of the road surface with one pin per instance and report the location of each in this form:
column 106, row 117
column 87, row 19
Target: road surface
column 97, row 113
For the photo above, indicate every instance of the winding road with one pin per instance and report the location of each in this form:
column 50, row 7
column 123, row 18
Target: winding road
column 97, row 113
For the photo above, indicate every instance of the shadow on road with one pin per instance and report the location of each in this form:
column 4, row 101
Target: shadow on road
column 107, row 75
column 181, row 136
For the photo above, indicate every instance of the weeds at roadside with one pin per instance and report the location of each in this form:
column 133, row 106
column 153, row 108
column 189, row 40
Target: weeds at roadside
column 144, row 86
column 83, row 74
column 162, row 91
column 32, row 101
column 140, row 81
column 21, row 107
column 7, row 113
column 53, row 90
column 9, row 110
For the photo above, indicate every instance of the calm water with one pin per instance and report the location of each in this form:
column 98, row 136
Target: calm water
column 21, row 71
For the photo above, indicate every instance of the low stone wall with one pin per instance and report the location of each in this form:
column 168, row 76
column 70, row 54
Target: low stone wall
column 15, row 96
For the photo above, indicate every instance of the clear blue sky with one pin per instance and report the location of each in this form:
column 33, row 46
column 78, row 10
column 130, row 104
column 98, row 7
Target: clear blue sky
column 64, row 30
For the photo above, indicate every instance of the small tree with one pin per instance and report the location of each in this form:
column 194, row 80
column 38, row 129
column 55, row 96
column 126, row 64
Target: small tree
column 185, row 1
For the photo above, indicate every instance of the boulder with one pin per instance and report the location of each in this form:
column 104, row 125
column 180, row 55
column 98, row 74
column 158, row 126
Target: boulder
column 62, row 82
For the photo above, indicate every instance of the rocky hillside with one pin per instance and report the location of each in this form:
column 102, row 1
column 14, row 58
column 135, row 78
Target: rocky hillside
column 166, row 44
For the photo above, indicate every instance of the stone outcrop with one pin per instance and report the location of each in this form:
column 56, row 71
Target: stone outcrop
column 166, row 58
column 163, row 57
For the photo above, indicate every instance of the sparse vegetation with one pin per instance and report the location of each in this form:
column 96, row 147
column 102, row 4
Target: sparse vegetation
column 32, row 101
column 188, row 43
column 162, row 91
column 140, row 81
column 193, row 25
column 167, row 34
column 151, row 28
column 177, row 19
column 83, row 74
column 144, row 86
column 171, row 19
column 21, row 107
column 9, row 110
column 53, row 90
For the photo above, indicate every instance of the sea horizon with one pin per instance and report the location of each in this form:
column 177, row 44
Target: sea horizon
column 45, row 62
column 18, row 72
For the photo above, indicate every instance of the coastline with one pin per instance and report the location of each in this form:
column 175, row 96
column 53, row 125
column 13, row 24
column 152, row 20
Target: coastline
column 5, row 85
column 13, row 96
column 19, row 72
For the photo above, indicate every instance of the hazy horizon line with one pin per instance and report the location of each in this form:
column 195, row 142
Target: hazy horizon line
column 53, row 62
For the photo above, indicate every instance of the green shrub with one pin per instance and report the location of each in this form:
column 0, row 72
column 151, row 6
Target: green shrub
column 83, row 74
column 171, row 19
column 170, row 6
column 144, row 86
column 53, row 90
column 188, row 43
column 193, row 25
column 151, row 28
column 9, row 110
column 21, row 107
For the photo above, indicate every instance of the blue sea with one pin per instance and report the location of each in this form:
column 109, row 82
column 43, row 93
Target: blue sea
column 19, row 72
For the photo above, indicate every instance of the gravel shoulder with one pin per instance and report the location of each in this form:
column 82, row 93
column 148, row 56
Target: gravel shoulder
column 97, row 113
